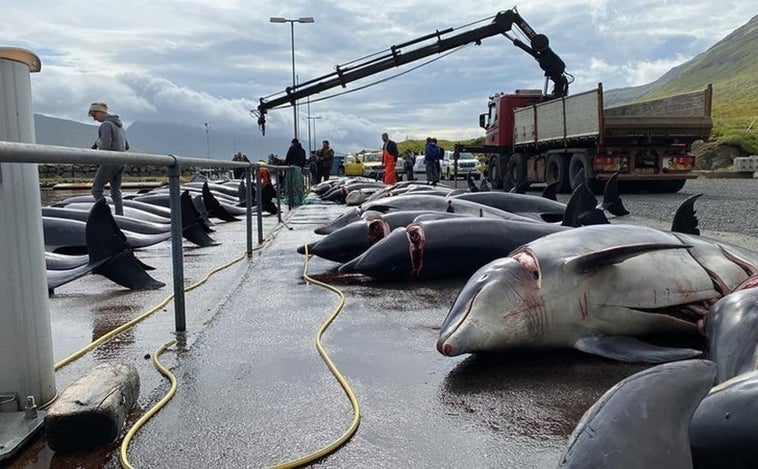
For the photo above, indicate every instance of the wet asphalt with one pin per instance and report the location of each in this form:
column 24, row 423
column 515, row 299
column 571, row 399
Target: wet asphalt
column 254, row 392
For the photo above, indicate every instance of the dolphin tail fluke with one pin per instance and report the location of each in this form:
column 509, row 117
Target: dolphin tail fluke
column 685, row 220
column 214, row 207
column 201, row 213
column 127, row 271
column 193, row 227
column 551, row 191
column 111, row 254
column 103, row 236
column 612, row 199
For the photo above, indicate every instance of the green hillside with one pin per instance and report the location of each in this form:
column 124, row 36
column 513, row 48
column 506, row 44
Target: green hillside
column 731, row 67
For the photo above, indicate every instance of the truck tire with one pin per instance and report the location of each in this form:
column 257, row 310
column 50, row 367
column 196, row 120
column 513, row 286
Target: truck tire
column 516, row 171
column 495, row 174
column 579, row 163
column 557, row 171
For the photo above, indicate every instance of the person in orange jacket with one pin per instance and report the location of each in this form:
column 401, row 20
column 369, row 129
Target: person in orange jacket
column 389, row 159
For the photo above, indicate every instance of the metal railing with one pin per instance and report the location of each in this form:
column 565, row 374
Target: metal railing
column 12, row 152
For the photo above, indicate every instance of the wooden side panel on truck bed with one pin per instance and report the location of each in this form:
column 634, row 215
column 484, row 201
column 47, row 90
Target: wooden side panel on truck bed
column 684, row 116
column 546, row 122
column 560, row 121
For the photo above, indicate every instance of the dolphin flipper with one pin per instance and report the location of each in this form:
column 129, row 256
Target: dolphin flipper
column 629, row 349
column 685, row 220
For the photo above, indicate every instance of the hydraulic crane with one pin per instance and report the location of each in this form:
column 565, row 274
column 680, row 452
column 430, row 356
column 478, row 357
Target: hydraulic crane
column 401, row 54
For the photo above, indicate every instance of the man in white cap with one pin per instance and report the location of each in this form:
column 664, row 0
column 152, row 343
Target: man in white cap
column 110, row 136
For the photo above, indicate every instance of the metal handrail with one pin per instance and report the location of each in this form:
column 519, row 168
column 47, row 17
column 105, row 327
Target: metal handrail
column 14, row 152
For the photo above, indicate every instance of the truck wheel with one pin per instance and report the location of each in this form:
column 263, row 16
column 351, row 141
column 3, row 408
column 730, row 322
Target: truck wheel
column 496, row 176
column 557, row 171
column 516, row 173
column 577, row 164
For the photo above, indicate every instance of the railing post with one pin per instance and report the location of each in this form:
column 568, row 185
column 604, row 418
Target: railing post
column 259, row 203
column 249, row 211
column 176, row 245
column 27, row 376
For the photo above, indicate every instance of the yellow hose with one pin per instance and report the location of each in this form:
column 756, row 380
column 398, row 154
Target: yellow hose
column 112, row 333
column 122, row 456
column 343, row 382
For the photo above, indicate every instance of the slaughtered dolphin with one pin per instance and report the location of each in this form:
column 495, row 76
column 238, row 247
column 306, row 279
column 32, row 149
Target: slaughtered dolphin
column 731, row 331
column 414, row 201
column 723, row 428
column 643, row 421
column 595, row 288
column 451, row 247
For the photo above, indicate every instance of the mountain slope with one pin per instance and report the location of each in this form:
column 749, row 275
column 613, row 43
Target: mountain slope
column 729, row 65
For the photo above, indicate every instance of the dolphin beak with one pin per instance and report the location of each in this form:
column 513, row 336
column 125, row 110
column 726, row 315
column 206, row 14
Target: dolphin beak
column 348, row 267
column 301, row 249
column 445, row 348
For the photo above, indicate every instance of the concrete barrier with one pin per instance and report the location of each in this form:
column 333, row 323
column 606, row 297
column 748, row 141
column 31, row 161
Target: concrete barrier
column 92, row 411
column 746, row 163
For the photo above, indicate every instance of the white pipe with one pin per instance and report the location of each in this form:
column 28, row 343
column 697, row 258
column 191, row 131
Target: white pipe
column 26, row 347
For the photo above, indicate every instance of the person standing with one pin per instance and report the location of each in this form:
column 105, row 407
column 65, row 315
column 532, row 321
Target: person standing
column 409, row 160
column 431, row 153
column 295, row 185
column 325, row 156
column 111, row 136
column 389, row 159
column 295, row 154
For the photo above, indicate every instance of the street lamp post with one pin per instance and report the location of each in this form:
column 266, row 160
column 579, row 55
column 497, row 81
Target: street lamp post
column 305, row 19
column 207, row 140
column 314, row 119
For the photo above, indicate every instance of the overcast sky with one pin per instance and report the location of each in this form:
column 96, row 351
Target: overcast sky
column 195, row 61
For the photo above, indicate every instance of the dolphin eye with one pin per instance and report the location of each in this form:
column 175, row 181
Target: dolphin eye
column 529, row 263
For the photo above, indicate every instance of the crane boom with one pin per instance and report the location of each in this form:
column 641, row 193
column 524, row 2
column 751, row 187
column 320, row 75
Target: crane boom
column 503, row 22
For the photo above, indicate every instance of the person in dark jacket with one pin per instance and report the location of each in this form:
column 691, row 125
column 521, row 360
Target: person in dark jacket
column 295, row 154
column 295, row 185
column 111, row 136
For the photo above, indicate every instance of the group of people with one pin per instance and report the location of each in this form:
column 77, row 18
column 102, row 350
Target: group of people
column 321, row 163
column 239, row 172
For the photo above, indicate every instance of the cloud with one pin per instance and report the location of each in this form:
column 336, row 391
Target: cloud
column 210, row 61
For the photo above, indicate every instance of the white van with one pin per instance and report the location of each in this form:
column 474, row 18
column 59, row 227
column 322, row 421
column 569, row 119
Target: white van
column 467, row 163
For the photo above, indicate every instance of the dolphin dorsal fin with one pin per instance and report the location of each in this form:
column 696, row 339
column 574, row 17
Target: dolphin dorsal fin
column 594, row 260
column 581, row 202
column 685, row 220
column 551, row 191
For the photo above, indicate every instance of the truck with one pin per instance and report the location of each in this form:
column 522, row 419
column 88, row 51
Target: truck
column 534, row 136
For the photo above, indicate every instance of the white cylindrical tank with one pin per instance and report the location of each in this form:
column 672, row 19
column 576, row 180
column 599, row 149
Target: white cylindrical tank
column 26, row 351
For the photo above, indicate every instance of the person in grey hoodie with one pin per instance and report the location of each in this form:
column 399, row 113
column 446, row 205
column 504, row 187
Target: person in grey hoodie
column 111, row 136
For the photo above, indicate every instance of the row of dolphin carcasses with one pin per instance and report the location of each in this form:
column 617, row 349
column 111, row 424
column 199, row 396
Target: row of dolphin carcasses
column 83, row 236
column 538, row 278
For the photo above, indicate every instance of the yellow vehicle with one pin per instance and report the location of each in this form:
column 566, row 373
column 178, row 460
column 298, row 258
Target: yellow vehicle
column 368, row 164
